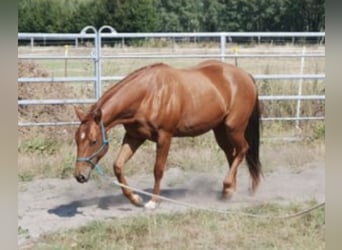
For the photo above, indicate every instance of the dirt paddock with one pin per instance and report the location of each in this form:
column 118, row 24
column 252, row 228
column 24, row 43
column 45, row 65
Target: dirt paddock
column 47, row 205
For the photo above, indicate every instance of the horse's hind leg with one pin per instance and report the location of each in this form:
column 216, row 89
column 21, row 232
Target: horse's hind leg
column 241, row 146
column 225, row 144
column 233, row 143
column 128, row 148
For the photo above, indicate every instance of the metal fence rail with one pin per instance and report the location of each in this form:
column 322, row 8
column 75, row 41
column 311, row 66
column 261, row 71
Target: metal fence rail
column 98, row 36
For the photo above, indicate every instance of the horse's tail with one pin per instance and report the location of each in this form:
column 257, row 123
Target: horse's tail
column 252, row 135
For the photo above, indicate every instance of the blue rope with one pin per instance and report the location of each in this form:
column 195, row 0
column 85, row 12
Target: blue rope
column 99, row 169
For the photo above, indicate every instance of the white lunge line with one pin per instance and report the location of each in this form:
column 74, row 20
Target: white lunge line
column 184, row 204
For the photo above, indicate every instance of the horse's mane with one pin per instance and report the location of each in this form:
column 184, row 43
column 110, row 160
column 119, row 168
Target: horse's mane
column 128, row 79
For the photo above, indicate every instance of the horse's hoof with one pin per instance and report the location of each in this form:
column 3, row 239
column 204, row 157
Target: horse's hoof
column 227, row 194
column 137, row 200
column 251, row 191
column 151, row 205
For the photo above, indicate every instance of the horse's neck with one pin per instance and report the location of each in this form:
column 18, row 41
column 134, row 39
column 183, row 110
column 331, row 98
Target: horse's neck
column 119, row 106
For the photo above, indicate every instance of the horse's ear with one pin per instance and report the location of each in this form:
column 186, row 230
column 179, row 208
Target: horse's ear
column 80, row 113
column 97, row 115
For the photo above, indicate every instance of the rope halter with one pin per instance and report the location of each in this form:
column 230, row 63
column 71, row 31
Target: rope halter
column 103, row 146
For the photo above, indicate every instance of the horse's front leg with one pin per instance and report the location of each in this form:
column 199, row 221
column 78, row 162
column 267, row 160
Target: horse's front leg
column 128, row 148
column 163, row 146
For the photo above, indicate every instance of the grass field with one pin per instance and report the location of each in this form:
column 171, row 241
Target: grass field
column 39, row 157
column 196, row 230
column 122, row 66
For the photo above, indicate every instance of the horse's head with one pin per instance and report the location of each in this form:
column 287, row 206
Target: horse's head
column 91, row 143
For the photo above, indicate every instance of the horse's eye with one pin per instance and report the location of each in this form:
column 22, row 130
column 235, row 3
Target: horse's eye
column 93, row 142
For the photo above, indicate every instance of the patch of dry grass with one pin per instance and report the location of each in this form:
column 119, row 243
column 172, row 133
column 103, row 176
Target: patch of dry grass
column 197, row 230
column 42, row 157
column 295, row 156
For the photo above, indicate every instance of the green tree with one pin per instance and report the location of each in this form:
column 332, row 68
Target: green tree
column 83, row 15
column 210, row 17
column 171, row 15
column 123, row 15
column 45, row 15
column 235, row 16
column 267, row 14
column 180, row 15
column 168, row 17
column 315, row 17
column 135, row 15
column 305, row 15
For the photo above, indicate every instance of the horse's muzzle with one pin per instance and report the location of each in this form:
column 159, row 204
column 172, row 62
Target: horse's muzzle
column 81, row 178
column 83, row 175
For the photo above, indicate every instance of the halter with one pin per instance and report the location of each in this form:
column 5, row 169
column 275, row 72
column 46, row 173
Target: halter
column 103, row 146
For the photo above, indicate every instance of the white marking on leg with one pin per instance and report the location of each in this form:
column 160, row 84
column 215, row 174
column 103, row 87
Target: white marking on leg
column 82, row 136
column 151, row 205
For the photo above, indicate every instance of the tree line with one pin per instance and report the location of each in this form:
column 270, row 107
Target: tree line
column 70, row 16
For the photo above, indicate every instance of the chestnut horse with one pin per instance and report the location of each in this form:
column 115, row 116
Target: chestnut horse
column 158, row 102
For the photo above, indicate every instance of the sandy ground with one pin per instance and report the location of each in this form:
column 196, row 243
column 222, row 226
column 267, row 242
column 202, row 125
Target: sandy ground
column 48, row 205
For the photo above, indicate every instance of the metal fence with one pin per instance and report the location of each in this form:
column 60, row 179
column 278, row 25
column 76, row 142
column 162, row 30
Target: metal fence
column 99, row 38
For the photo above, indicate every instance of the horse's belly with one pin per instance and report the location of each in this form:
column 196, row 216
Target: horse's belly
column 141, row 130
column 197, row 125
column 191, row 131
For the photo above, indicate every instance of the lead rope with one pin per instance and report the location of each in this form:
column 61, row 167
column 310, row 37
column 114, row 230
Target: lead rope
column 225, row 212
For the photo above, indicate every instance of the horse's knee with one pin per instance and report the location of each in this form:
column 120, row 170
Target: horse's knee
column 117, row 167
column 240, row 152
column 158, row 173
column 242, row 147
column 245, row 149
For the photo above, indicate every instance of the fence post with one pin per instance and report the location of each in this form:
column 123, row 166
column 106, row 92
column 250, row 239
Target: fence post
column 302, row 62
column 98, row 66
column 222, row 46
column 99, row 56
column 84, row 30
column 235, row 50
column 66, row 54
column 32, row 43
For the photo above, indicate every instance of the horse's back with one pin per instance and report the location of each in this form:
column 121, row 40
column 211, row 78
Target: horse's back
column 231, row 83
column 231, row 92
column 224, row 73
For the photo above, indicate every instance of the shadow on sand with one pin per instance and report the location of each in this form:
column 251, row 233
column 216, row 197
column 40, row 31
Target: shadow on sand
column 109, row 201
